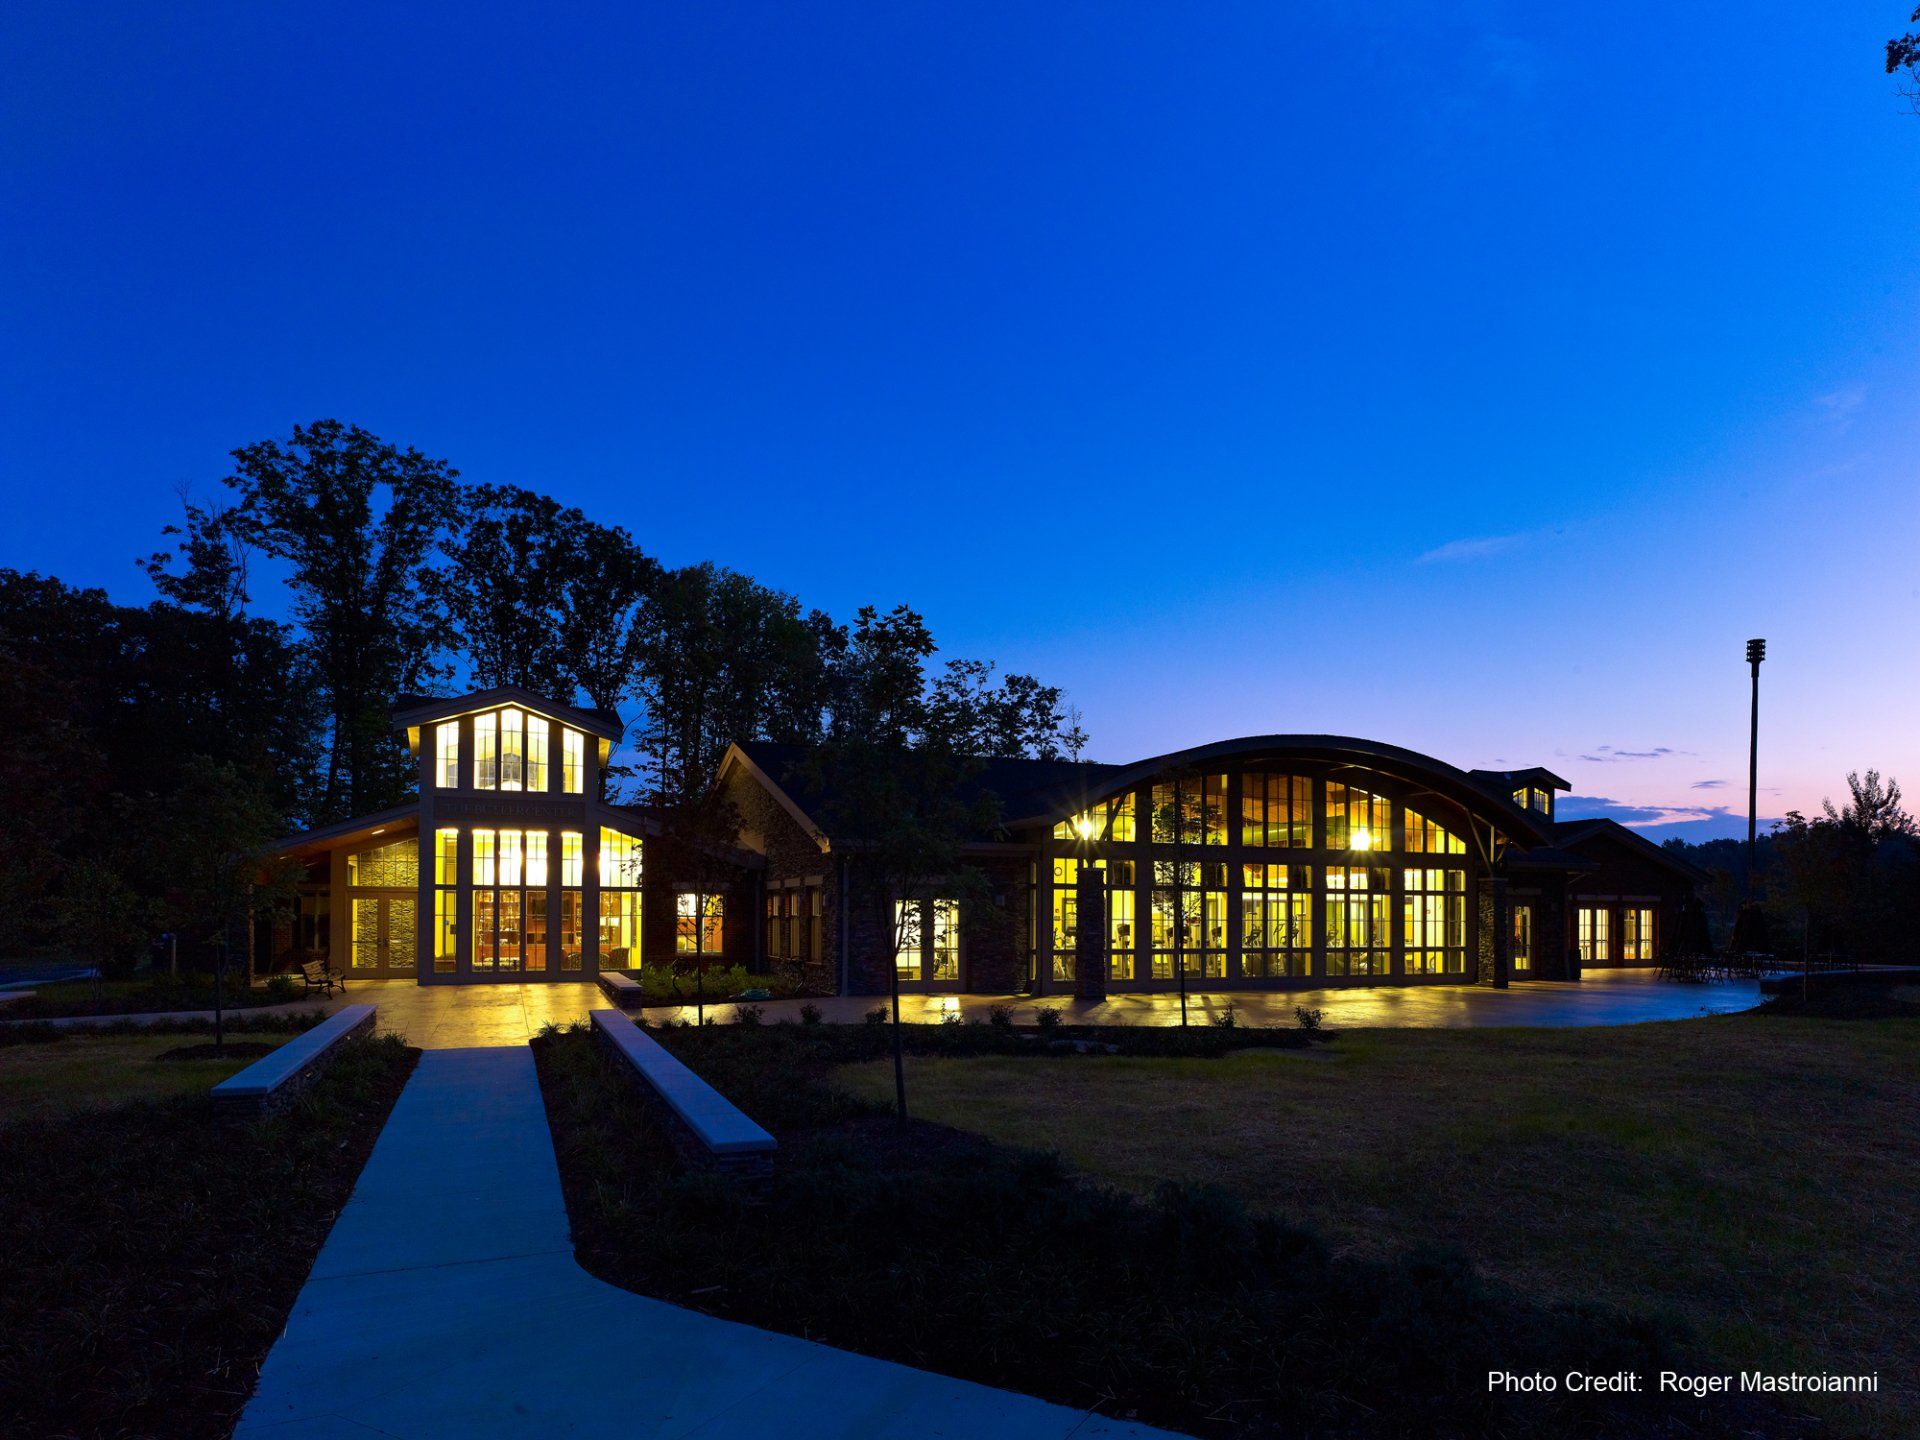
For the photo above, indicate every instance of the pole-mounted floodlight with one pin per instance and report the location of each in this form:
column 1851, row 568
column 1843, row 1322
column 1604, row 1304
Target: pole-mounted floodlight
column 1756, row 652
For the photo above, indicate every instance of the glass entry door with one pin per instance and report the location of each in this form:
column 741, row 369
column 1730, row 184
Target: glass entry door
column 385, row 933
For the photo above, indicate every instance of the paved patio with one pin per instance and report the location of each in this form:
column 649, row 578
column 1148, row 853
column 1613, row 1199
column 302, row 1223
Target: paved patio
column 452, row 1017
column 447, row 1303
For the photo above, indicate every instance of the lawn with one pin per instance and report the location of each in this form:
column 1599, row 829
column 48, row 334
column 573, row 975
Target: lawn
column 153, row 1253
column 87, row 1072
column 959, row 1254
column 1753, row 1175
column 146, row 994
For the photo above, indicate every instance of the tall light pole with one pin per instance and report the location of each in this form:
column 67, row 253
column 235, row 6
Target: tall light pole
column 1756, row 652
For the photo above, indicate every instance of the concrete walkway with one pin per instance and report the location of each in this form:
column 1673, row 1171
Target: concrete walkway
column 446, row 1303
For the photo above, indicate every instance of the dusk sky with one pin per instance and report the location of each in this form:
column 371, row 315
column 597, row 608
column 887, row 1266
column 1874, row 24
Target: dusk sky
column 1474, row 377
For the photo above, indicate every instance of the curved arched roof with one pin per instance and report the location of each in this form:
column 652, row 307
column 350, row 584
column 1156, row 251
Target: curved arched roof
column 1448, row 781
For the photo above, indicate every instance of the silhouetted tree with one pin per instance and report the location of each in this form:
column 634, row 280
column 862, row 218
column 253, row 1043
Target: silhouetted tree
column 1903, row 60
column 356, row 522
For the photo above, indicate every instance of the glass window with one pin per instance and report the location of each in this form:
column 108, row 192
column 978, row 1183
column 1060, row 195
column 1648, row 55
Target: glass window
column 1522, row 957
column 699, row 923
column 536, row 931
column 1357, row 819
column 1636, row 935
column 907, row 952
column 1434, row 912
column 1276, row 920
column 483, row 857
column 1424, row 837
column 536, row 859
column 1358, row 921
column 484, row 934
column 1110, row 821
column 571, row 868
column 446, row 746
column 619, row 929
column 621, row 858
column 1189, row 903
column 1066, row 915
column 508, row 853
column 1120, row 926
column 393, row 866
column 486, row 752
column 573, row 761
column 536, row 752
column 446, row 857
column 513, row 749
column 446, row 905
column 1276, row 810
column 570, row 908
column 1190, row 810
column 943, row 948
column 1593, row 924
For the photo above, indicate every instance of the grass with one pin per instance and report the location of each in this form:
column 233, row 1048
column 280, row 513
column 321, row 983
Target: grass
column 145, row 995
column 82, row 1071
column 1752, row 1176
column 152, row 1254
column 1185, row 1307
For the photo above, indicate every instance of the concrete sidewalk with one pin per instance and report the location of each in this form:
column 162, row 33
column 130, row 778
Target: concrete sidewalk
column 446, row 1303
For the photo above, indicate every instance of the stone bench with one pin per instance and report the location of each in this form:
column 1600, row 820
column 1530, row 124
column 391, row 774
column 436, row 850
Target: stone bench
column 272, row 1081
column 623, row 990
column 708, row 1128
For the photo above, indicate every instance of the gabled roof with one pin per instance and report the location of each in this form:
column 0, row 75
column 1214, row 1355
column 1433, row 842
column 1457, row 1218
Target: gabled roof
column 1571, row 834
column 410, row 712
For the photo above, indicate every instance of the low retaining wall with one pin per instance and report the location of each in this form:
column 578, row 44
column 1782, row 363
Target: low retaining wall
column 273, row 1081
column 708, row 1129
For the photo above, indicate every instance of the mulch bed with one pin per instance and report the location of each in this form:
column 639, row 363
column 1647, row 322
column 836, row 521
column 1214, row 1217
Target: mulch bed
column 152, row 1254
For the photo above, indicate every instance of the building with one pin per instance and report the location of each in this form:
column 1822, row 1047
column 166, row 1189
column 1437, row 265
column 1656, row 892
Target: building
column 1262, row 863
column 508, row 866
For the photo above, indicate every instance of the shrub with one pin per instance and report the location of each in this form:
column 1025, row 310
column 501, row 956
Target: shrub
column 1047, row 1017
column 877, row 1015
column 1309, row 1020
column 810, row 1014
column 282, row 989
column 1228, row 1018
column 748, row 1015
column 951, row 1017
column 1000, row 1016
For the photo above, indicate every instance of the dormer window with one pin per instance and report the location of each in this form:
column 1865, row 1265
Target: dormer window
column 1532, row 797
column 446, row 754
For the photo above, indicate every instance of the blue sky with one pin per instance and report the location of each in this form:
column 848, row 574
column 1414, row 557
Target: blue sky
column 1476, row 377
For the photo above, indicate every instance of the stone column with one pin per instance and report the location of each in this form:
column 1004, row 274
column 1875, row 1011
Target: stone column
column 1502, row 932
column 1090, row 934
